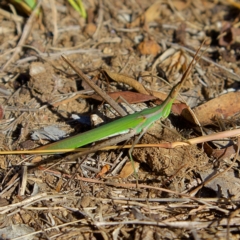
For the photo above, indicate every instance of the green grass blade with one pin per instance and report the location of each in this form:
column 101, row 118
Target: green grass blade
column 25, row 6
column 78, row 6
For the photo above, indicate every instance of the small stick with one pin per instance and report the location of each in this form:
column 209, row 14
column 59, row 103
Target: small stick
column 97, row 89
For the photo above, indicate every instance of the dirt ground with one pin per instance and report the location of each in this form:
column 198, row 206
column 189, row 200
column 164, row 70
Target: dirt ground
column 186, row 187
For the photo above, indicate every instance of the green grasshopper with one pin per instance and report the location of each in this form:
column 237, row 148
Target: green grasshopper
column 121, row 129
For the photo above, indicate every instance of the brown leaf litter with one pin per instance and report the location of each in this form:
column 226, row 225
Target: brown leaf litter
column 140, row 49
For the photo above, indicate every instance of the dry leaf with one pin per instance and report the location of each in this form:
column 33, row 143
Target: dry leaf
column 149, row 47
column 135, row 84
column 224, row 106
column 130, row 97
column 127, row 80
column 128, row 169
column 226, row 152
column 104, row 170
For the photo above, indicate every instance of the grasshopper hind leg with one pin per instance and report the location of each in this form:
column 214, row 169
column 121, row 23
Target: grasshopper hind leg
column 131, row 149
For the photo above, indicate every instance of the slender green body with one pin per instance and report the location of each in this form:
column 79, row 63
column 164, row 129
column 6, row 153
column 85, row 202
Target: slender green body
column 79, row 140
column 132, row 124
column 135, row 122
